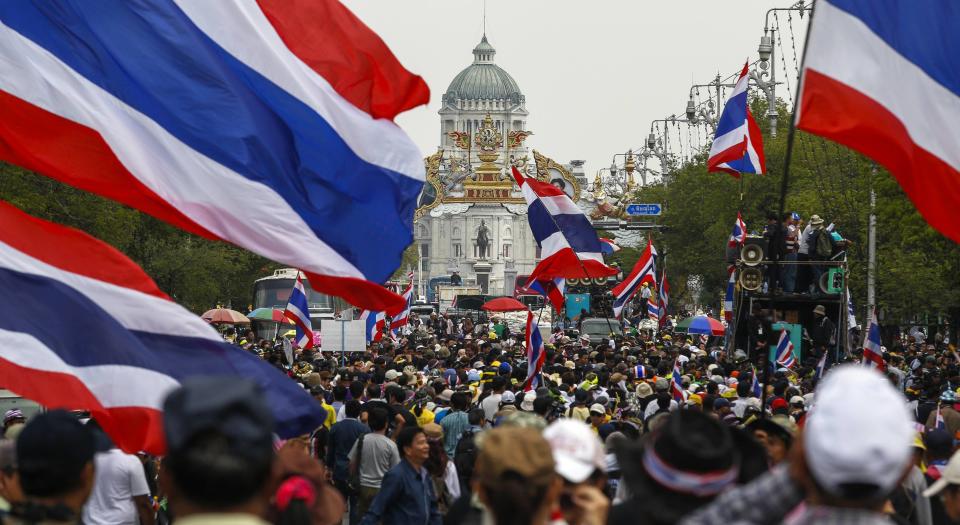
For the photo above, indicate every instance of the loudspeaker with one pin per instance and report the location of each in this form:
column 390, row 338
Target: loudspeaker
column 600, row 281
column 831, row 282
column 754, row 251
column 751, row 278
column 573, row 282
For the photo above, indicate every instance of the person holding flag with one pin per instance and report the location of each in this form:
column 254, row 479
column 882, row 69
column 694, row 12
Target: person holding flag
column 872, row 353
column 663, row 300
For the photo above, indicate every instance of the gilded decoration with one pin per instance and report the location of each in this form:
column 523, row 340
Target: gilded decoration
column 432, row 193
column 549, row 170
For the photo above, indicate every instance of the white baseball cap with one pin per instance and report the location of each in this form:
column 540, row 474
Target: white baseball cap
column 856, row 401
column 577, row 450
column 948, row 476
column 597, row 408
column 391, row 375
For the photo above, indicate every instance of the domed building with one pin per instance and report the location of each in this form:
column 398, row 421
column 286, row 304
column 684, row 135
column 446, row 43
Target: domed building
column 471, row 218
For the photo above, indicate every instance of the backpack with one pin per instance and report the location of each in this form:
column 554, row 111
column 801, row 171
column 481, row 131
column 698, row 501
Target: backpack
column 824, row 244
column 465, row 456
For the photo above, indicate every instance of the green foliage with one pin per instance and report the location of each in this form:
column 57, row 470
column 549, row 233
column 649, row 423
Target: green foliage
column 918, row 270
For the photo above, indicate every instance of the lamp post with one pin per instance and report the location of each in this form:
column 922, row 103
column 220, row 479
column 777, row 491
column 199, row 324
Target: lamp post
column 765, row 74
column 629, row 166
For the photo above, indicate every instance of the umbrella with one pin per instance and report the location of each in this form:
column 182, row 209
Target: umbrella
column 700, row 324
column 224, row 316
column 504, row 304
column 269, row 314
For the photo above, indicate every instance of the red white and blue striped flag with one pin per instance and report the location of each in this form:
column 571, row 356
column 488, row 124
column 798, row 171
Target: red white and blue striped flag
column 265, row 123
column 784, row 353
column 728, row 296
column 403, row 318
column 569, row 245
column 536, row 354
column 608, row 247
column 878, row 78
column 663, row 292
column 872, row 352
column 298, row 311
column 739, row 234
column 375, row 324
column 645, row 271
column 552, row 289
column 676, row 383
column 737, row 146
column 91, row 331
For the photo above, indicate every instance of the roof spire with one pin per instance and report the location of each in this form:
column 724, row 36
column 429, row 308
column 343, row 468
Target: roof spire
column 484, row 19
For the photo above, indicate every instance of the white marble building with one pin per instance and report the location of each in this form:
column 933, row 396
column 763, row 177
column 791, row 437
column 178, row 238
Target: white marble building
column 483, row 127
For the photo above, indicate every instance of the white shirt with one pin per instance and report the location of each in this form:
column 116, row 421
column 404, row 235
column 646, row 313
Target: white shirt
column 118, row 478
column 491, row 405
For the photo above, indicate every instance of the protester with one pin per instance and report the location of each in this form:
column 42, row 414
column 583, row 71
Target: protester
column 581, row 463
column 947, row 489
column 56, row 480
column 10, row 490
column 371, row 457
column 343, row 436
column 406, row 495
column 120, row 495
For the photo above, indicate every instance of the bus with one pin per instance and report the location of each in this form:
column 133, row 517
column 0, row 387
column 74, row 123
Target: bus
column 274, row 290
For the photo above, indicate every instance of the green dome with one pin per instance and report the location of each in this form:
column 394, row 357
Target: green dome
column 483, row 79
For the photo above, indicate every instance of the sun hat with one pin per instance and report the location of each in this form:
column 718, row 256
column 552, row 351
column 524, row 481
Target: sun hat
column 515, row 450
column 528, row 399
column 819, row 309
column 815, row 220
column 856, row 401
column 597, row 408
column 576, row 449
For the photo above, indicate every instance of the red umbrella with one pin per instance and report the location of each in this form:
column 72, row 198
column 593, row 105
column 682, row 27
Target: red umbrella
column 504, row 304
column 224, row 316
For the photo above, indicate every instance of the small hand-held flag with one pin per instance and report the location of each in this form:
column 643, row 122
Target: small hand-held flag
column 535, row 354
column 676, row 383
column 739, row 234
column 784, row 353
column 664, row 298
column 298, row 311
column 737, row 146
column 872, row 352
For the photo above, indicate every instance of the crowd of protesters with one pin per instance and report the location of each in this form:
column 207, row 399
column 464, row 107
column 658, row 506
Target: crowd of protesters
column 435, row 427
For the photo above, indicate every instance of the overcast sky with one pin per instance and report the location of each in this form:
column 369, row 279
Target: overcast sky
column 594, row 73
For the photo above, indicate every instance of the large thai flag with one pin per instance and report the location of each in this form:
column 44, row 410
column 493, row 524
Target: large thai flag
column 298, row 311
column 739, row 234
column 663, row 292
column 738, row 145
column 569, row 246
column 653, row 311
column 784, row 352
column 401, row 319
column 872, row 353
column 536, row 354
column 552, row 289
column 880, row 77
column 90, row 330
column 375, row 323
column 265, row 123
column 645, row 271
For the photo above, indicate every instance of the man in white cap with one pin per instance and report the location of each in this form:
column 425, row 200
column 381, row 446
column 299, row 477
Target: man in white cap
column 580, row 460
column 947, row 488
column 854, row 450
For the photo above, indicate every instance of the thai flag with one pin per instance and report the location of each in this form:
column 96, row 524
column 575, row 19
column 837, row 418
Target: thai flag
column 739, row 234
column 608, row 247
column 375, row 323
column 938, row 421
column 568, row 243
column 755, row 383
column 265, row 123
column 737, row 146
column 663, row 291
column 91, row 331
column 784, row 356
column 403, row 317
column 676, row 383
column 872, row 354
column 535, row 354
column 645, row 271
column 639, row 372
column 728, row 296
column 552, row 289
column 877, row 79
column 851, row 314
column 653, row 311
column 298, row 311
column 821, row 367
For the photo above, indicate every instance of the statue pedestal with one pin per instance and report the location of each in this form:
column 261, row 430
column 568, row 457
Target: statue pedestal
column 482, row 268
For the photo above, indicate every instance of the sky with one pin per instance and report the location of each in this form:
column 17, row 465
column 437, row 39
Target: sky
column 595, row 74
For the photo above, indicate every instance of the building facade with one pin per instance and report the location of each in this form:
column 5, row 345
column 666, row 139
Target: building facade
column 471, row 217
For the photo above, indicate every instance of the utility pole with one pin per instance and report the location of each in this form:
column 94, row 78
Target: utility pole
column 872, row 248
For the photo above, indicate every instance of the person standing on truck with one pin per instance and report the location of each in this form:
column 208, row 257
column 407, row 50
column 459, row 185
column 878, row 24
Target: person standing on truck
column 455, row 279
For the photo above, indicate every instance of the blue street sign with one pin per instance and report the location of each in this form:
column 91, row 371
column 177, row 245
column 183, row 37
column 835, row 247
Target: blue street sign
column 643, row 209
